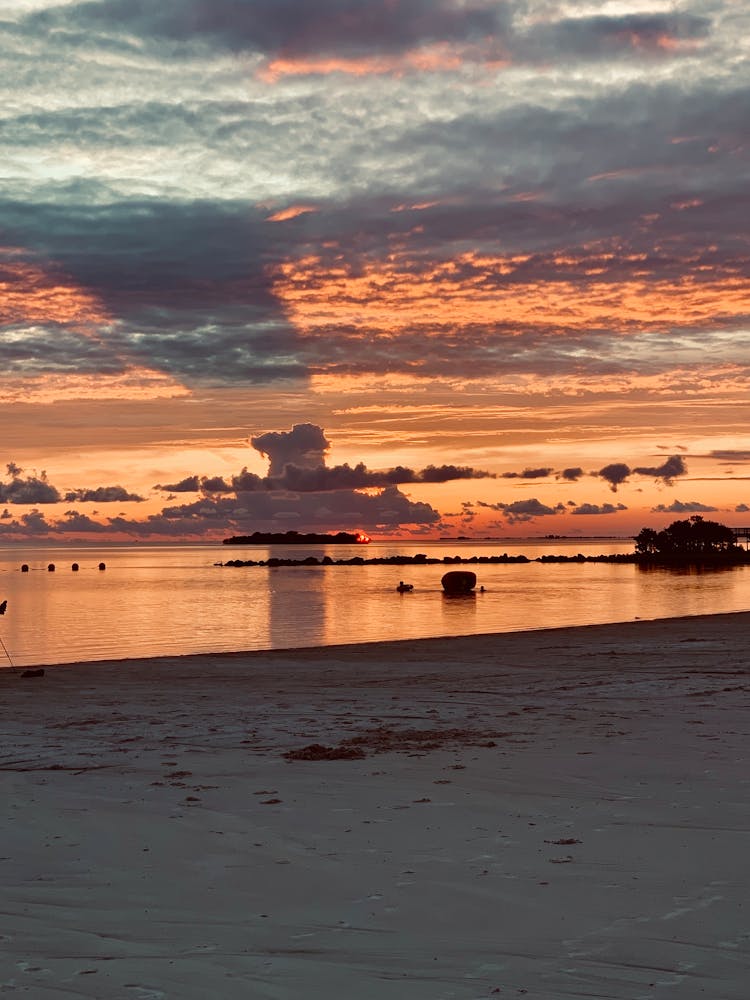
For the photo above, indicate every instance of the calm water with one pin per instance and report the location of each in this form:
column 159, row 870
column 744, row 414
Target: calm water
column 173, row 599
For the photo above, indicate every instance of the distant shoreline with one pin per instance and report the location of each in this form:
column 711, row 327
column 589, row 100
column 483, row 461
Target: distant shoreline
column 421, row 559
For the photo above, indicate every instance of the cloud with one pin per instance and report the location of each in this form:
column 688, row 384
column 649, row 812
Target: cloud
column 32, row 524
column 297, row 462
column 729, row 455
column 593, row 508
column 615, row 474
column 298, row 489
column 323, row 478
column 742, row 508
column 334, row 33
column 103, row 494
column 571, row 475
column 76, row 523
column 446, row 473
column 305, row 446
column 523, row 510
column 388, row 510
column 178, row 288
column 667, row 472
column 528, row 474
column 605, row 37
column 30, row 490
column 290, row 27
column 190, row 484
column 593, row 242
column 216, row 484
column 618, row 472
column 688, row 507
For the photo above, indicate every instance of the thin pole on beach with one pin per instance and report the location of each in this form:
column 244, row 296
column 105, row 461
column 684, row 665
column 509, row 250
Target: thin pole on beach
column 5, row 650
column 3, row 606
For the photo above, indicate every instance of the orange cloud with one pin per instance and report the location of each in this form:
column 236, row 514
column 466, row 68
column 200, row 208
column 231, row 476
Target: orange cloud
column 441, row 57
column 471, row 290
column 29, row 294
column 136, row 383
column 292, row 212
column 663, row 42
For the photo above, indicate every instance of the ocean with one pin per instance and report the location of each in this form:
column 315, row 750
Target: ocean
column 162, row 600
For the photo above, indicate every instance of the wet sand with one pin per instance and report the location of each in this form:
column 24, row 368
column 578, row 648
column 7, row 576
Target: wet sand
column 550, row 814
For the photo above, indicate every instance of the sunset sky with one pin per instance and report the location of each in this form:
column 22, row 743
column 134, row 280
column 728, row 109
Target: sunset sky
column 415, row 267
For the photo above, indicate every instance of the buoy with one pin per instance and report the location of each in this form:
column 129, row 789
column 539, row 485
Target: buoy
column 25, row 568
column 51, row 568
column 102, row 566
column 74, row 567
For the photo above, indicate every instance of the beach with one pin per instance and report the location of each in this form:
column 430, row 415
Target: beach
column 547, row 814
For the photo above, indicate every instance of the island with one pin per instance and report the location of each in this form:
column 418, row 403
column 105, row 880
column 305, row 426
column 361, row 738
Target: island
column 298, row 538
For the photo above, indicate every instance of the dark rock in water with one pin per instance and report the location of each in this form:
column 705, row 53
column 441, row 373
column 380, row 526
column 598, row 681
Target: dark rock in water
column 459, row 581
column 33, row 673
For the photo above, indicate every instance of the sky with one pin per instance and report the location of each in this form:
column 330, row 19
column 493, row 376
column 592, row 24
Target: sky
column 420, row 268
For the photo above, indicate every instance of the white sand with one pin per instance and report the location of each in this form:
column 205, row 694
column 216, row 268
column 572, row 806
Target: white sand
column 575, row 823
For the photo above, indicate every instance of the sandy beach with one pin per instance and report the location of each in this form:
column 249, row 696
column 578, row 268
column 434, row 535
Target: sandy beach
column 549, row 814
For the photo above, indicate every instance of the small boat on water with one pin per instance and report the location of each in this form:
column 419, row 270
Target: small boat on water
column 404, row 588
column 459, row 582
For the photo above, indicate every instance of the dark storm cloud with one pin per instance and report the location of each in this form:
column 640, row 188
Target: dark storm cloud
column 680, row 507
column 667, row 472
column 294, row 27
column 102, row 494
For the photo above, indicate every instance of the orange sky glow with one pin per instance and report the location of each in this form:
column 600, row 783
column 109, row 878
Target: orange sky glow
column 465, row 291
column 418, row 269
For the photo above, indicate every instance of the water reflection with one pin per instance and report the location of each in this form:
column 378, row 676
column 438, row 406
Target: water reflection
column 174, row 600
column 298, row 606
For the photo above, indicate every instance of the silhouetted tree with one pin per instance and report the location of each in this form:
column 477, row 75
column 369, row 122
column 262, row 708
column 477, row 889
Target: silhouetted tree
column 694, row 540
